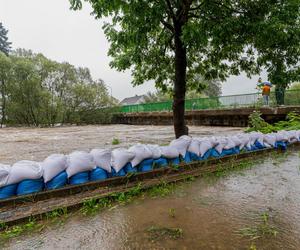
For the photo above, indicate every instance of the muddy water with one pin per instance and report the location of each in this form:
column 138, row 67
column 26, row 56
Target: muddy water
column 37, row 143
column 209, row 211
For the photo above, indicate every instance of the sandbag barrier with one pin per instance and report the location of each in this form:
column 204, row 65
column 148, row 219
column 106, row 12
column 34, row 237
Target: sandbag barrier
column 59, row 172
column 19, row 210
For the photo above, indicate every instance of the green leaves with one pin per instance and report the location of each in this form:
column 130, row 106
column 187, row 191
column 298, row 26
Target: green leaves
column 37, row 91
column 216, row 35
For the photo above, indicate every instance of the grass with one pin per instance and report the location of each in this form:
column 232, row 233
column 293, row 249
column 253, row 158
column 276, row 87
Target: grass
column 14, row 231
column 261, row 229
column 172, row 212
column 159, row 233
column 115, row 141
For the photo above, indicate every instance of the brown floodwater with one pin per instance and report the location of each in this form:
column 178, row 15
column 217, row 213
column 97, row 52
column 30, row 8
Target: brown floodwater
column 210, row 212
column 37, row 143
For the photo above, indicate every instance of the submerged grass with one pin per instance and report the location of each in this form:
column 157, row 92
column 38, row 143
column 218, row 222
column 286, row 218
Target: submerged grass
column 17, row 230
column 261, row 229
column 115, row 141
column 160, row 233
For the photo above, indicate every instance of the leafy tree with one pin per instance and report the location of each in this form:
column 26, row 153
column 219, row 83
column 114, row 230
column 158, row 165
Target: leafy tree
column 5, row 71
column 278, row 45
column 295, row 86
column 171, row 41
column 4, row 43
column 35, row 90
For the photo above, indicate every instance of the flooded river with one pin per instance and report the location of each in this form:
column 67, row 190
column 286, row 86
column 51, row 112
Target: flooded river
column 37, row 143
column 255, row 208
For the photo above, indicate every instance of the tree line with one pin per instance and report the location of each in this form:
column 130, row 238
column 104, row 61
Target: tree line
column 37, row 91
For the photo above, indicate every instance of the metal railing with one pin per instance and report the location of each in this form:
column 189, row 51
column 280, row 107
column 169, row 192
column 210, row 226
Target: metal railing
column 292, row 97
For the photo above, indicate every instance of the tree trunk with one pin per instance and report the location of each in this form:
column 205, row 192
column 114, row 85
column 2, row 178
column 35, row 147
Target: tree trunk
column 179, row 84
column 3, row 106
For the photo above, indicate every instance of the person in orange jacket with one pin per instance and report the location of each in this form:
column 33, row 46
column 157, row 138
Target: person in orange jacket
column 266, row 89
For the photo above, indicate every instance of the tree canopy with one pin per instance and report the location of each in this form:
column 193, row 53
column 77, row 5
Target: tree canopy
column 171, row 41
column 40, row 92
column 4, row 43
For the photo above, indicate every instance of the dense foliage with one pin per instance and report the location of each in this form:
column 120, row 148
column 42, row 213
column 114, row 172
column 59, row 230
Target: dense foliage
column 174, row 41
column 257, row 123
column 37, row 91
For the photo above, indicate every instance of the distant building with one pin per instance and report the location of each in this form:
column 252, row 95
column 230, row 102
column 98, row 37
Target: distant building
column 137, row 99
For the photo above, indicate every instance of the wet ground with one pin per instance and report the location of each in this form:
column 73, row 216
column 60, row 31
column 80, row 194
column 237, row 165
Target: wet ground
column 256, row 208
column 37, row 143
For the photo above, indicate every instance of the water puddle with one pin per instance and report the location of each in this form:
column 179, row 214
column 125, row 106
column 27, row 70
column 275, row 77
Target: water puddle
column 256, row 208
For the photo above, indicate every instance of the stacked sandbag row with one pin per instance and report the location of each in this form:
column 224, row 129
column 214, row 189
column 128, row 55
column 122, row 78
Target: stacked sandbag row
column 58, row 170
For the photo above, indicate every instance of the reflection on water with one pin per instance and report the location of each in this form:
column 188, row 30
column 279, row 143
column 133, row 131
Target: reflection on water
column 209, row 213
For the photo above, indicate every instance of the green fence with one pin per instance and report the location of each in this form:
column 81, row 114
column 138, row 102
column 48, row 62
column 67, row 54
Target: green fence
column 292, row 97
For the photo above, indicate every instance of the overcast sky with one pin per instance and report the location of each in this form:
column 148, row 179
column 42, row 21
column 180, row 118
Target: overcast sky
column 50, row 27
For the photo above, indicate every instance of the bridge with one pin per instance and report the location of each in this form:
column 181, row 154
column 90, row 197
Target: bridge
column 232, row 110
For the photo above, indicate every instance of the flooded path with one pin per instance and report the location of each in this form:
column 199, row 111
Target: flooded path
column 37, row 143
column 257, row 207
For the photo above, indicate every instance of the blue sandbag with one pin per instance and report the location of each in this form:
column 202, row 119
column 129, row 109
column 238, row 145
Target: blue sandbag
column 160, row 162
column 281, row 145
column 30, row 186
column 214, row 153
column 175, row 161
column 146, row 165
column 129, row 168
column 253, row 148
column 236, row 150
column 80, row 178
column 98, row 174
column 259, row 145
column 227, row 152
column 206, row 155
column 8, row 191
column 115, row 174
column 194, row 157
column 58, row 181
column 187, row 157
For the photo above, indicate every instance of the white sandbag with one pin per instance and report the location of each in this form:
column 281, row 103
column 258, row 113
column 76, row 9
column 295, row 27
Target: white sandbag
column 141, row 152
column 256, row 136
column 230, row 143
column 298, row 134
column 205, row 145
column 120, row 157
column 214, row 141
column 245, row 139
column 236, row 140
column 24, row 170
column 169, row 152
column 4, row 174
column 102, row 158
column 53, row 165
column 292, row 135
column 222, row 142
column 181, row 144
column 194, row 147
column 270, row 140
column 78, row 162
column 281, row 136
column 155, row 149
